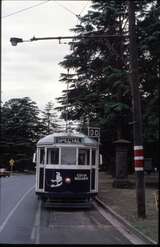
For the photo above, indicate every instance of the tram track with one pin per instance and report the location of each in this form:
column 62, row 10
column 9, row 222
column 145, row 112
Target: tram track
column 81, row 223
column 100, row 219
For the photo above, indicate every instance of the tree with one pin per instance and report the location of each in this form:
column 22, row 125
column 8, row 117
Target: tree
column 21, row 128
column 49, row 119
column 99, row 88
column 20, row 120
column 149, row 67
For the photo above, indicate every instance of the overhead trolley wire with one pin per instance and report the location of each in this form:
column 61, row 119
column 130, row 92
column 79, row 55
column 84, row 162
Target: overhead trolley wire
column 36, row 5
column 83, row 8
column 21, row 10
column 69, row 10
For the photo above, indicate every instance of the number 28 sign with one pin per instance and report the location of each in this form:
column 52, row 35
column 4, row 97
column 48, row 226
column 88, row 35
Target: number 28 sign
column 93, row 132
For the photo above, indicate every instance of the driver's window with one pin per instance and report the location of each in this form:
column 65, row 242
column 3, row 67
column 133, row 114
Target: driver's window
column 83, row 156
column 42, row 154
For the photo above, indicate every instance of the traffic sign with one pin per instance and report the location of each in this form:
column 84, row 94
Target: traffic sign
column 12, row 162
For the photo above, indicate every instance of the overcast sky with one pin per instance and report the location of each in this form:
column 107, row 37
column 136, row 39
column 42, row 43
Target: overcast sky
column 31, row 69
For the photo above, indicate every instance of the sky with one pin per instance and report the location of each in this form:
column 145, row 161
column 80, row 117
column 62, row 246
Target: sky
column 31, row 69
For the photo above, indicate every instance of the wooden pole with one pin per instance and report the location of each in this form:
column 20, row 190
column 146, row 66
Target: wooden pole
column 137, row 114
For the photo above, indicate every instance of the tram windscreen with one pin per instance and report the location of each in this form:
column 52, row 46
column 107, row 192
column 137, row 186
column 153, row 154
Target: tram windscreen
column 42, row 153
column 83, row 156
column 93, row 157
column 68, row 156
column 53, row 156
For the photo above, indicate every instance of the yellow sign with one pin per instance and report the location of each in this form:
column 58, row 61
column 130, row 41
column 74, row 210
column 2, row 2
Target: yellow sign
column 12, row 162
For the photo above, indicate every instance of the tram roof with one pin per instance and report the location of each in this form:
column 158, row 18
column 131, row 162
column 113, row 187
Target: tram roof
column 51, row 139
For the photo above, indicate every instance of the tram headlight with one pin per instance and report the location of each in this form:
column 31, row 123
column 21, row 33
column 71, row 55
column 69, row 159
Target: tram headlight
column 67, row 180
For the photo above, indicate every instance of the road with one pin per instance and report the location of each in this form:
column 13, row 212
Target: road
column 25, row 220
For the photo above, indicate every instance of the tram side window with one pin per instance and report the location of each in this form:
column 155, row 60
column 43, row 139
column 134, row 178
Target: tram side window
column 83, row 157
column 68, row 156
column 93, row 157
column 42, row 153
column 53, row 156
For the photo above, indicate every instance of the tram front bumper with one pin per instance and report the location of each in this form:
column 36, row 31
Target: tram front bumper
column 66, row 195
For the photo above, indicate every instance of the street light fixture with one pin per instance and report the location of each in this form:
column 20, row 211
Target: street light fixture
column 15, row 41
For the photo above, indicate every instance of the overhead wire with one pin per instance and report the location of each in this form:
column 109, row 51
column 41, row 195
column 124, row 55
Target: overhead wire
column 36, row 5
column 68, row 9
column 21, row 10
column 83, row 8
column 77, row 15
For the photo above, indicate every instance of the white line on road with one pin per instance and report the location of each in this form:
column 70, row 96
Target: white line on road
column 13, row 210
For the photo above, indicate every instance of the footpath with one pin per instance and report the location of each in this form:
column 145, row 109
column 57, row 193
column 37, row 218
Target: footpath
column 122, row 203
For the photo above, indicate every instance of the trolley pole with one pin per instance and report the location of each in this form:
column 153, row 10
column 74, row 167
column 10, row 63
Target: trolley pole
column 137, row 114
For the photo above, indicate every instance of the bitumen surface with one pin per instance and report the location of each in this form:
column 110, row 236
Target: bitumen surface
column 121, row 203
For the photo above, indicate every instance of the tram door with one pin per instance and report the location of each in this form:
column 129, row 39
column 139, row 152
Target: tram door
column 94, row 170
column 40, row 168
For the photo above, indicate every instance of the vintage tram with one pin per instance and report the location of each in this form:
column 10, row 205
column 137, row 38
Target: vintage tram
column 67, row 167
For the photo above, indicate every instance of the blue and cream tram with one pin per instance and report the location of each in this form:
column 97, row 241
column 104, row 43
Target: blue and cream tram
column 67, row 167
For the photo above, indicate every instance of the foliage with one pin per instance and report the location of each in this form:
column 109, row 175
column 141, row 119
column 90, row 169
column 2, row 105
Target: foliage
column 99, row 71
column 99, row 91
column 20, row 120
column 149, row 64
column 49, row 119
column 20, row 129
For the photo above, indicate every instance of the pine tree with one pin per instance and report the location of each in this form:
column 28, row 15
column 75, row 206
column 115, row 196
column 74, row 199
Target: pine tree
column 49, row 119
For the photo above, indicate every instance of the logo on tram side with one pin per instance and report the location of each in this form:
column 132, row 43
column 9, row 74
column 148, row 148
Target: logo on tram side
column 58, row 181
column 81, row 176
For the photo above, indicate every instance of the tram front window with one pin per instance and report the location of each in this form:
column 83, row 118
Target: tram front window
column 42, row 155
column 53, row 156
column 83, row 157
column 68, row 156
column 93, row 157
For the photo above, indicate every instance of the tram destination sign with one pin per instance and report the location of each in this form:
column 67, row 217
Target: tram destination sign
column 93, row 132
column 68, row 139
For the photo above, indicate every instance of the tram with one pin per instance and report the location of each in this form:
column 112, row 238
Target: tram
column 67, row 167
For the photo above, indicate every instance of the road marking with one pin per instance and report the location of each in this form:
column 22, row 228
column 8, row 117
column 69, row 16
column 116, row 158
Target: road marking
column 120, row 227
column 13, row 210
column 35, row 234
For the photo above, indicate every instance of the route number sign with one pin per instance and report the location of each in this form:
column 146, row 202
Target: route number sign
column 93, row 132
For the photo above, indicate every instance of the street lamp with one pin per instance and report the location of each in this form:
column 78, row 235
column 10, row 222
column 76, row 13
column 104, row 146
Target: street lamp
column 15, row 41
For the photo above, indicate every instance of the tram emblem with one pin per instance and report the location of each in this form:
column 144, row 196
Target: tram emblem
column 56, row 182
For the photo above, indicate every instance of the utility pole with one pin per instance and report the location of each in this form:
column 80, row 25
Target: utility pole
column 137, row 114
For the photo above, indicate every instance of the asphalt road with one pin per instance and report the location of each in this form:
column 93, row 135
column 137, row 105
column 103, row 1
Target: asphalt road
column 25, row 220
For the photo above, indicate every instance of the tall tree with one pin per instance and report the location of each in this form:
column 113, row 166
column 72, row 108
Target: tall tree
column 20, row 120
column 98, row 85
column 21, row 128
column 99, row 88
column 149, row 67
column 49, row 119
